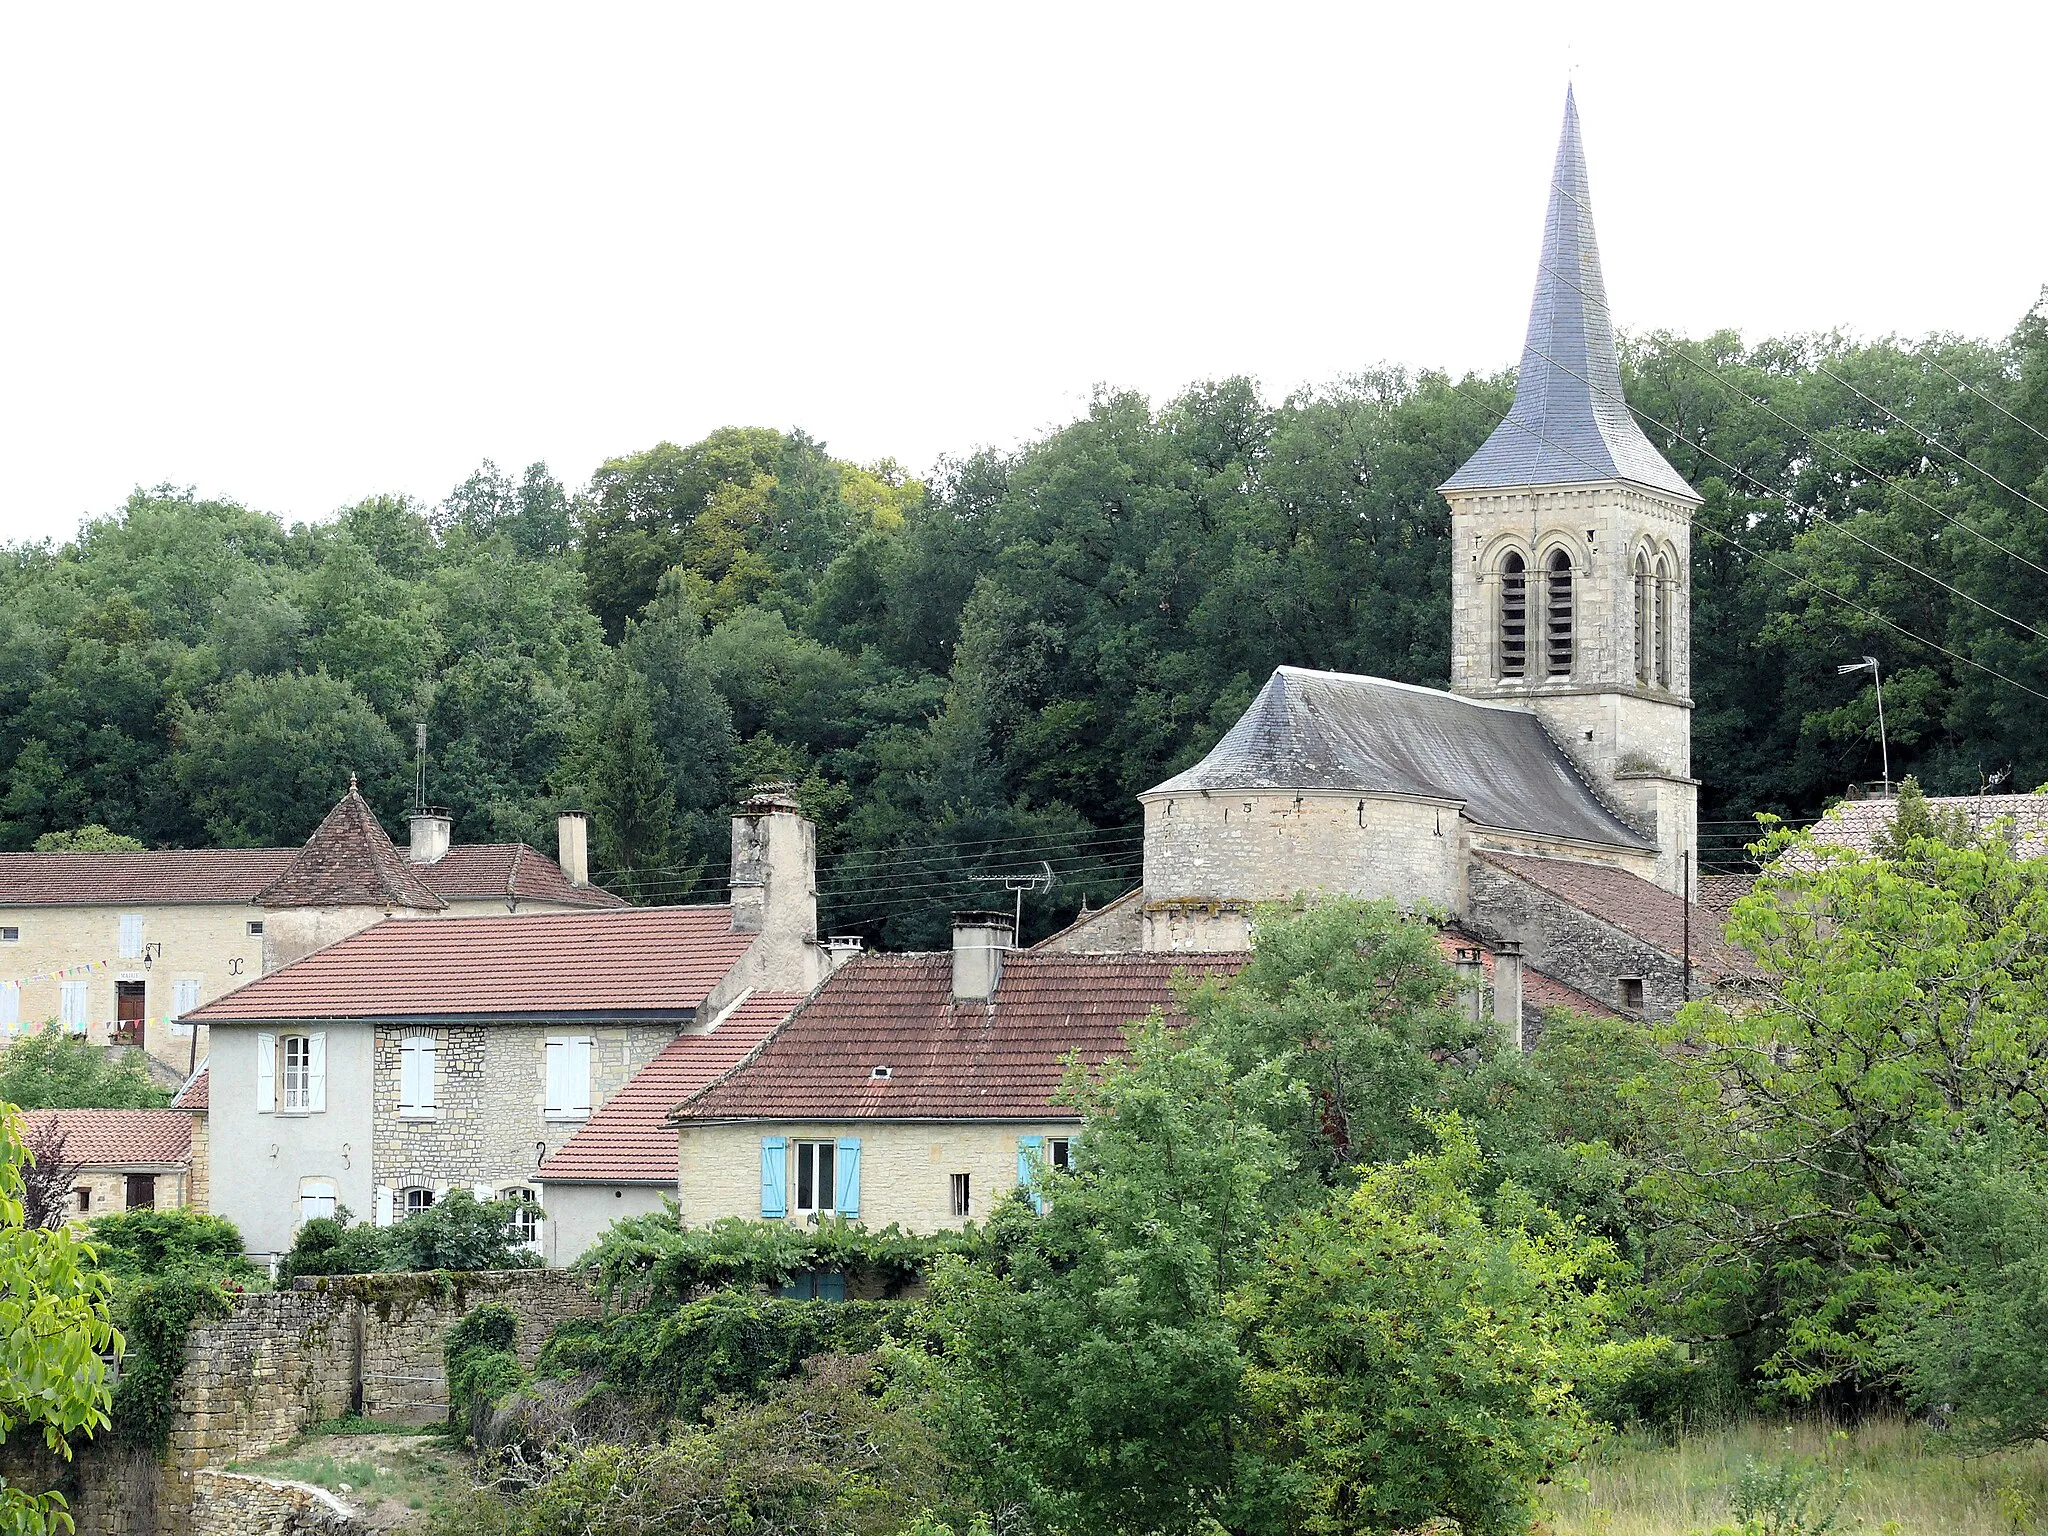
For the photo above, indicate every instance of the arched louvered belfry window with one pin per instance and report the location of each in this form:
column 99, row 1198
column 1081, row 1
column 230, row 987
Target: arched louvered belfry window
column 1645, row 617
column 1664, row 596
column 1514, row 616
column 1557, row 614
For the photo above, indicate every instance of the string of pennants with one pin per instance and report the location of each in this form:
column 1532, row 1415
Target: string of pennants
column 64, row 973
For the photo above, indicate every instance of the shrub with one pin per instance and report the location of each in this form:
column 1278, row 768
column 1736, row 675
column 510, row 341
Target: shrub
column 53, row 1070
column 457, row 1232
column 483, row 1365
column 654, row 1259
column 154, row 1317
column 149, row 1244
column 330, row 1245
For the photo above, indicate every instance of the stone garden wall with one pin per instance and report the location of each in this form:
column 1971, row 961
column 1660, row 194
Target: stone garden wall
column 234, row 1504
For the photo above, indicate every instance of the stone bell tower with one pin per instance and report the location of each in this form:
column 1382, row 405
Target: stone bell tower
column 1571, row 548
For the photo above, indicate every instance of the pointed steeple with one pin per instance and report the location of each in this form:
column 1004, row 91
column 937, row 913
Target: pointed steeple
column 349, row 861
column 1569, row 423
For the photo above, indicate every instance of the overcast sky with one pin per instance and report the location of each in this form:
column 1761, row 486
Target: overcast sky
column 297, row 255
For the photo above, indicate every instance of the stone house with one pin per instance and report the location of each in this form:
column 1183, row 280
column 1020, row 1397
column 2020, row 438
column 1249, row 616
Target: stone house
column 915, row 1089
column 412, row 1057
column 1546, row 799
column 191, row 1100
column 128, row 1159
column 122, row 947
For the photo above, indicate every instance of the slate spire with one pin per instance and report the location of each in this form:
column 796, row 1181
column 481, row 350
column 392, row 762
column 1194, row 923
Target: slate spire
column 1569, row 423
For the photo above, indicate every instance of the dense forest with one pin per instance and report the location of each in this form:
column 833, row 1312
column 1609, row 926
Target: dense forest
column 974, row 675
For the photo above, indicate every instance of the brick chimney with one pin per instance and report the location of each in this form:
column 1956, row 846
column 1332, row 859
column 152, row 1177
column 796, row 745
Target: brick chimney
column 572, row 846
column 980, row 939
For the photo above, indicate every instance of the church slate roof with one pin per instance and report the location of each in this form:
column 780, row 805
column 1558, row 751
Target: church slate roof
column 349, row 861
column 1570, row 423
column 1368, row 735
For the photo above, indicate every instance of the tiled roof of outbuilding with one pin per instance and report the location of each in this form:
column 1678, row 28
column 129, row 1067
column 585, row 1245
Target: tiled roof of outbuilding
column 195, row 1095
column 350, row 861
column 644, row 962
column 1632, row 904
column 118, row 1138
column 947, row 1060
column 508, row 872
column 1369, row 735
column 630, row 1140
column 1856, row 824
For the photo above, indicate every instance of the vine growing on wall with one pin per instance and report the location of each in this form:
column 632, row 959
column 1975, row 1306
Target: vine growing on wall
column 156, row 1317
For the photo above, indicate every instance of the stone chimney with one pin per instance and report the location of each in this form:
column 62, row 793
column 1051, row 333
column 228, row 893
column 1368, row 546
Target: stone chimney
column 1507, row 990
column 572, row 846
column 980, row 940
column 774, row 897
column 430, row 832
column 1471, row 969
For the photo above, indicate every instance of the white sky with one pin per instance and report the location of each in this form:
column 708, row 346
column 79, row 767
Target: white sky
column 297, row 255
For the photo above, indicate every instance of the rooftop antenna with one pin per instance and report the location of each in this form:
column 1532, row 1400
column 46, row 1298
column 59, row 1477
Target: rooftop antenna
column 1869, row 664
column 1041, row 881
column 419, row 768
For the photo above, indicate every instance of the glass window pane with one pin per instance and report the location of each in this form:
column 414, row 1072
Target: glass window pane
column 803, row 1176
column 825, row 1150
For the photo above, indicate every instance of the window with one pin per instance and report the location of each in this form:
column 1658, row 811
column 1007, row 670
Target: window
column 131, row 935
column 1664, row 595
column 141, row 1191
column 814, row 1173
column 10, row 935
column 84, row 1193
column 1557, row 614
column 304, row 1068
column 1644, row 612
column 10, row 1006
column 184, row 998
column 255, row 927
column 568, row 1074
column 815, row 1286
column 414, row 1200
column 317, row 1199
column 1514, row 616
column 963, row 1198
column 1632, row 993
column 1059, row 1152
column 71, row 1006
column 525, row 1215
column 417, row 1092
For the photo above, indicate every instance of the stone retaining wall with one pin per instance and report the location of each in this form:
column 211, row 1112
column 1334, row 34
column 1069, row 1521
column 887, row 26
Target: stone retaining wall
column 235, row 1504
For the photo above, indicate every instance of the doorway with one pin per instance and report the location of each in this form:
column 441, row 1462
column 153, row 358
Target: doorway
column 141, row 1191
column 128, row 1012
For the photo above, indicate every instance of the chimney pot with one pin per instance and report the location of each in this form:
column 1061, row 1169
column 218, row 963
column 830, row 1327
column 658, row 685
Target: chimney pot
column 1507, row 990
column 428, row 843
column 572, row 846
column 979, row 941
column 1471, row 981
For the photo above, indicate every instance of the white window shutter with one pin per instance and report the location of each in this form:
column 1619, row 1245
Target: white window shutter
column 483, row 1191
column 131, row 935
column 579, row 1077
column 266, row 1074
column 557, row 1053
column 425, row 1050
column 384, row 1205
column 10, row 1003
column 316, row 1072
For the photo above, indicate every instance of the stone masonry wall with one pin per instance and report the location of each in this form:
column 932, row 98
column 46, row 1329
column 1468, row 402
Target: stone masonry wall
column 255, row 1378
column 1564, row 942
column 234, row 1504
column 491, row 1101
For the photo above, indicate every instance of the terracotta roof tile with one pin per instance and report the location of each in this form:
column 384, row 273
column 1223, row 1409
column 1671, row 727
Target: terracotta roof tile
column 636, row 962
column 630, row 1140
column 1540, row 990
column 1643, row 911
column 350, row 861
column 1719, row 893
column 1855, row 824
column 194, row 1095
column 507, row 871
column 171, row 875
column 947, row 1060
column 101, row 1138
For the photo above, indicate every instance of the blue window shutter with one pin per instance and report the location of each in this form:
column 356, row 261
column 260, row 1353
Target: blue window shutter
column 832, row 1287
column 846, row 1194
column 1030, row 1152
column 774, row 1178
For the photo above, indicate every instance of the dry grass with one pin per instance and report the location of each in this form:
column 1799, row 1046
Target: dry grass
column 1902, row 1482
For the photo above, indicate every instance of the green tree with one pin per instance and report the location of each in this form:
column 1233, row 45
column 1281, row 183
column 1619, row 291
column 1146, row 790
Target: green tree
column 92, row 838
column 53, row 1070
column 625, row 784
column 54, row 1304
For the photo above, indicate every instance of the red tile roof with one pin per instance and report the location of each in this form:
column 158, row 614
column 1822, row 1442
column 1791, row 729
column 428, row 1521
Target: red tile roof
column 117, row 1138
column 947, row 1060
column 193, row 1096
column 507, row 872
column 170, row 875
column 1856, row 824
column 630, row 1140
column 1643, row 911
column 1540, row 991
column 350, row 861
column 637, row 962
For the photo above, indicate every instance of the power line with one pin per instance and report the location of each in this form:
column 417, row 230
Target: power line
column 1973, row 389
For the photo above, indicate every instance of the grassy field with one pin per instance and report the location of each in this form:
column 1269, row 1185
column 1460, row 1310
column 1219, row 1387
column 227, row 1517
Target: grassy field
column 399, row 1478
column 1900, row 1482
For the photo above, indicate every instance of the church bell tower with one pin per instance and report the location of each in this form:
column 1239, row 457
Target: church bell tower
column 1571, row 550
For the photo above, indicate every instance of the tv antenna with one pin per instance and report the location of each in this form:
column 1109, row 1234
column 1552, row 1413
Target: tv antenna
column 1869, row 664
column 1042, row 880
column 419, row 768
